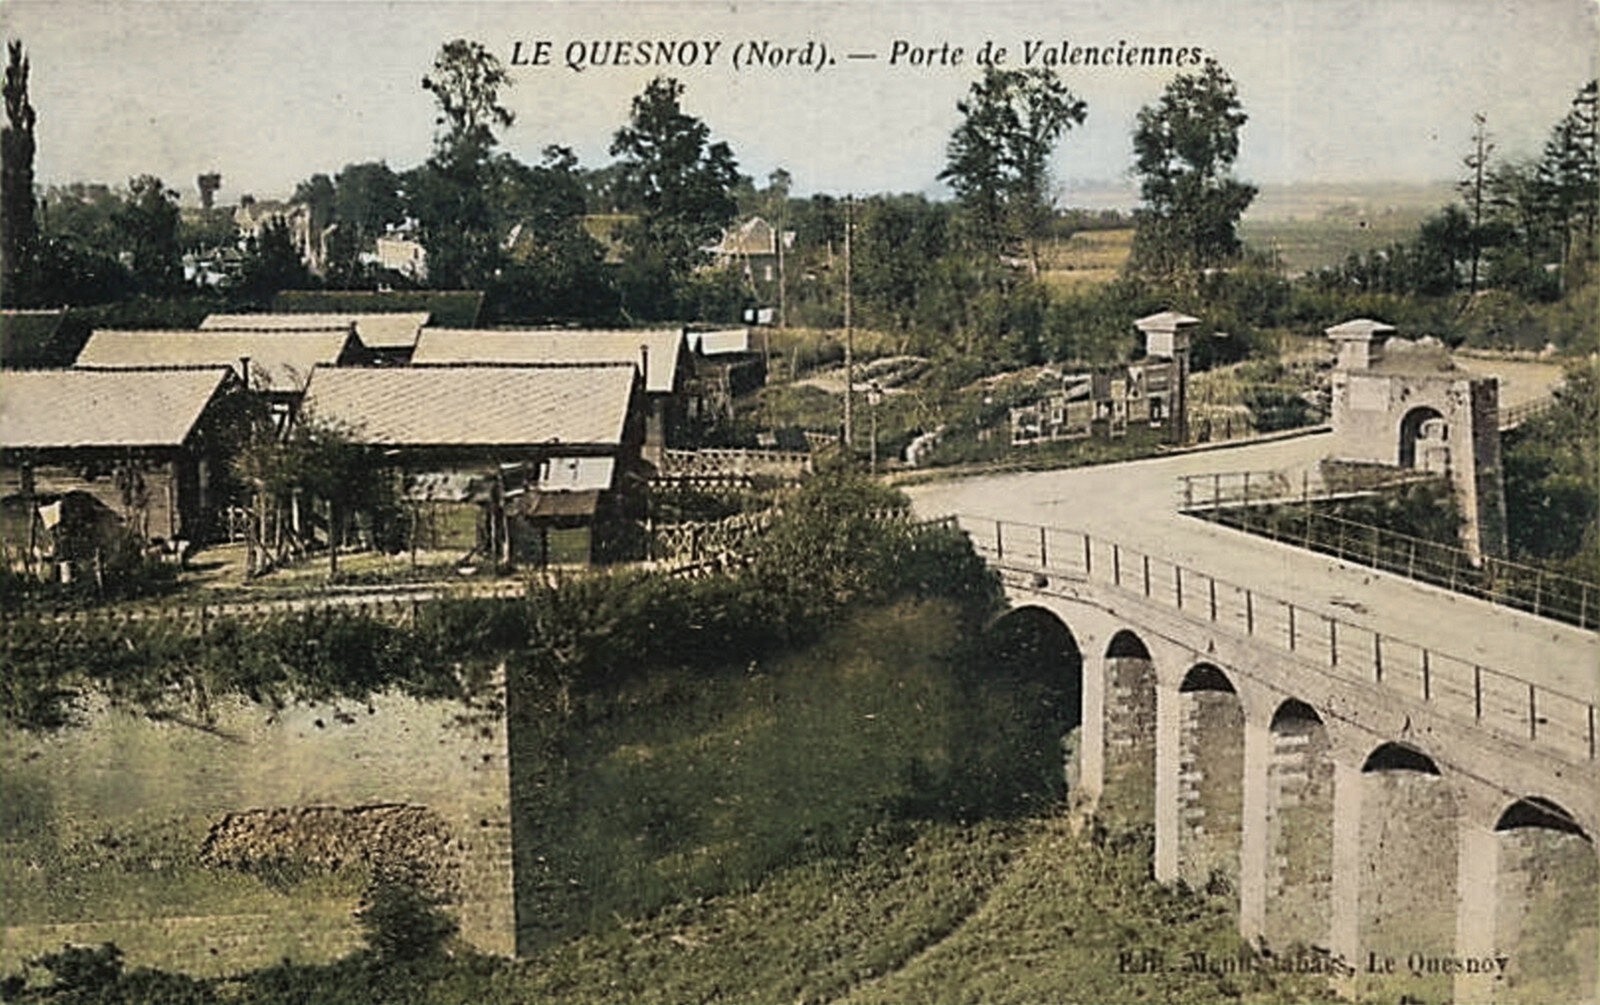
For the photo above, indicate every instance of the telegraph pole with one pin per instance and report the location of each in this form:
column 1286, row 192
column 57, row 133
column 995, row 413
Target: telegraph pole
column 849, row 333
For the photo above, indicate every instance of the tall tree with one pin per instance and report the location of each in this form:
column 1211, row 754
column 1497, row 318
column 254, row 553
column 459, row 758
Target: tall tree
column 679, row 182
column 449, row 195
column 19, row 231
column 147, row 222
column 998, row 158
column 1569, row 173
column 1184, row 149
column 1474, row 193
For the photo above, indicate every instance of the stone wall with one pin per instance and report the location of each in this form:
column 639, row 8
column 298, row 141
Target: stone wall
column 1299, row 834
column 1408, row 873
column 1210, row 790
column 256, row 797
column 1128, row 791
column 1545, row 919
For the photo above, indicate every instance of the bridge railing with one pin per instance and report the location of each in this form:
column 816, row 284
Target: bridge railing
column 1268, row 504
column 1500, row 702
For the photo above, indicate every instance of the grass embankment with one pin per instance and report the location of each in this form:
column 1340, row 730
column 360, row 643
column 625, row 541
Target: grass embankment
column 878, row 817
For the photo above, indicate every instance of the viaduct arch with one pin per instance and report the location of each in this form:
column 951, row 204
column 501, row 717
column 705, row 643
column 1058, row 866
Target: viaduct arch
column 1434, row 861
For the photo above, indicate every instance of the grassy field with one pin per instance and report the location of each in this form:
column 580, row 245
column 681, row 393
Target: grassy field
column 1087, row 258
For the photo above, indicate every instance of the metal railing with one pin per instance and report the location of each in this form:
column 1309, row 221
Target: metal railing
column 1516, row 415
column 1265, row 503
column 1502, row 703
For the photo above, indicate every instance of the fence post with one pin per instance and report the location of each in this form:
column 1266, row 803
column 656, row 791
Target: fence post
column 1333, row 642
column 999, row 541
column 1583, row 609
column 1305, row 487
column 1216, row 491
column 1146, row 559
column 1188, row 491
column 1291, row 628
column 1177, row 583
column 1377, row 656
column 1116, row 563
column 1213, row 581
column 1247, row 490
column 1044, row 559
column 1088, row 556
column 1538, row 583
column 1411, row 562
column 1375, row 564
column 1533, row 715
column 1249, row 613
column 1477, row 692
column 1427, row 679
column 1455, row 555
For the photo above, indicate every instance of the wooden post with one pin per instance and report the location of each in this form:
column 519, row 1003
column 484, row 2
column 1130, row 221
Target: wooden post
column 1044, row 558
column 1377, row 656
column 1177, row 584
column 1477, row 692
column 1146, row 575
column 1212, row 580
column 1116, row 563
column 1249, row 613
column 1333, row 642
column 1533, row 715
column 1427, row 678
column 1088, row 555
column 1291, row 628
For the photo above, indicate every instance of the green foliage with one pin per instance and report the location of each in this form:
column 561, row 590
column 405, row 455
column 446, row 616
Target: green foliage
column 1552, row 479
column 681, row 186
column 19, row 229
column 402, row 923
column 157, row 666
column 998, row 158
column 147, row 227
column 272, row 263
column 1184, row 149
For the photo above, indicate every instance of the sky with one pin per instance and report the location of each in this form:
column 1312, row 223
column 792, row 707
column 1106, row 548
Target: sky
column 1339, row 91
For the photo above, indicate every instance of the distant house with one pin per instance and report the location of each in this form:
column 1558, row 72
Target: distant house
column 147, row 445
column 252, row 216
column 544, row 458
column 386, row 338
column 661, row 355
column 726, row 365
column 750, row 247
column 402, row 255
column 275, row 364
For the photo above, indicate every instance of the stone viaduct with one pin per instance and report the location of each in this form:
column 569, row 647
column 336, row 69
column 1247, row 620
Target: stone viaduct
column 1426, row 821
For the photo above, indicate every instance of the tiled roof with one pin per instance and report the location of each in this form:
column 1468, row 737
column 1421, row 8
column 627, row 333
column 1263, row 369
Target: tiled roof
column 475, row 405
column 104, row 408
column 279, row 360
column 376, row 331
column 459, row 345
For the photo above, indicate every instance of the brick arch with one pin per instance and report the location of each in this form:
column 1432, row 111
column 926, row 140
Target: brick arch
column 1299, row 884
column 1547, row 903
column 1128, row 683
column 1211, row 719
column 1409, row 863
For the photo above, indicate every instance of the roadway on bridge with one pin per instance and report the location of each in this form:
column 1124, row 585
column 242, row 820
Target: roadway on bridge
column 1136, row 504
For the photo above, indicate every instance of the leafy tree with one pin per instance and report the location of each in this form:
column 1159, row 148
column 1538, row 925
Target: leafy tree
column 272, row 263
column 316, row 194
column 998, row 157
column 897, row 241
column 19, row 231
column 449, row 195
column 1184, row 149
column 147, row 224
column 1569, row 174
column 679, row 182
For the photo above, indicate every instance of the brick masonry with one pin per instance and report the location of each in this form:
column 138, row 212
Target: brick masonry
column 123, row 771
column 1299, row 834
column 1210, row 769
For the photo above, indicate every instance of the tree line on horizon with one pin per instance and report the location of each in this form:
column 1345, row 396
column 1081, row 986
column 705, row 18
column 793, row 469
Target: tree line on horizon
column 555, row 242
